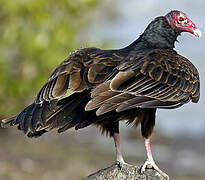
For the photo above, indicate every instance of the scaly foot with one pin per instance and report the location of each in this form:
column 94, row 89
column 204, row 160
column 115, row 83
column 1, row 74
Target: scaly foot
column 122, row 162
column 151, row 164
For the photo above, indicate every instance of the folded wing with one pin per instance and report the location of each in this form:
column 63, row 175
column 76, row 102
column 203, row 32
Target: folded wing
column 83, row 70
column 161, row 79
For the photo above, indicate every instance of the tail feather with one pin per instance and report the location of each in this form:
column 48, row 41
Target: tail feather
column 7, row 122
column 69, row 112
column 36, row 119
column 45, row 110
column 66, row 127
column 36, row 134
column 90, row 120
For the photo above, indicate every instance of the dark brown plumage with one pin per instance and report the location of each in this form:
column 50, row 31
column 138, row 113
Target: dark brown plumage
column 112, row 85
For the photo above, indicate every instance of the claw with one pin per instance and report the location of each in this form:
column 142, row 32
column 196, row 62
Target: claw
column 122, row 162
column 151, row 164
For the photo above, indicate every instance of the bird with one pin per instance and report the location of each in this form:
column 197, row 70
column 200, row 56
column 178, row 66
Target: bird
column 100, row 87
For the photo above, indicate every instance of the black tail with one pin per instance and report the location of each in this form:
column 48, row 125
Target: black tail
column 36, row 119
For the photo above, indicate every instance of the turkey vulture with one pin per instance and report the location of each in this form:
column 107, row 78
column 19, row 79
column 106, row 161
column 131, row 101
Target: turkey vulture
column 107, row 86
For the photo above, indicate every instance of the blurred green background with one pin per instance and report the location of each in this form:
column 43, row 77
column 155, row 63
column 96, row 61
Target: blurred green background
column 36, row 35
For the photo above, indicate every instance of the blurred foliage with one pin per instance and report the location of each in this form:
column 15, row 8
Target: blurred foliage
column 36, row 35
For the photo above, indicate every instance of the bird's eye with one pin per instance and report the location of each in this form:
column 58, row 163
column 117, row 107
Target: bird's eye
column 181, row 19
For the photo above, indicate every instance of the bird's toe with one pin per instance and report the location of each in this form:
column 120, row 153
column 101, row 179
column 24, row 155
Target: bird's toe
column 149, row 164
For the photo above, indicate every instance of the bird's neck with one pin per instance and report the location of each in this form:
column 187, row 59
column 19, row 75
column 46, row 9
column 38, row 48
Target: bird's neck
column 158, row 34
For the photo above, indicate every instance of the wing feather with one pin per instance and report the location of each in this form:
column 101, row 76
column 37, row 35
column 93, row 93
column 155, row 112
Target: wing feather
column 82, row 71
column 107, row 81
column 167, row 80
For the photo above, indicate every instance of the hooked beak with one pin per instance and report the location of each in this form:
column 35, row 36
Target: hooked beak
column 197, row 33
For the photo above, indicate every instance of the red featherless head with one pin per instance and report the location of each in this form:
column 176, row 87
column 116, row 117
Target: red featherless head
column 180, row 21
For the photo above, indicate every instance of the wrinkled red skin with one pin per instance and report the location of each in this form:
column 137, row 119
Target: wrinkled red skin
column 186, row 24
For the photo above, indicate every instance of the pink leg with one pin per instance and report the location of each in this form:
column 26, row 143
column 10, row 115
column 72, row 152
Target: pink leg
column 150, row 161
column 116, row 137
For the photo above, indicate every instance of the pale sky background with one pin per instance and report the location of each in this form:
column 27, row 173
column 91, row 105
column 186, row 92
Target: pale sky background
column 122, row 22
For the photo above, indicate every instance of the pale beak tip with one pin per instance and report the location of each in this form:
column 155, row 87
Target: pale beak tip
column 197, row 33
